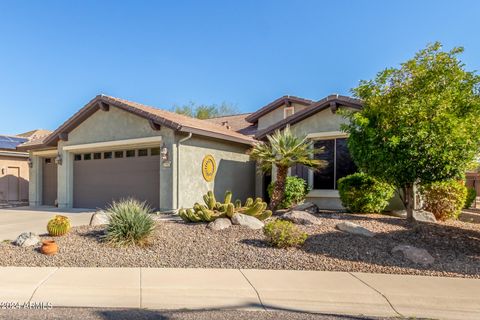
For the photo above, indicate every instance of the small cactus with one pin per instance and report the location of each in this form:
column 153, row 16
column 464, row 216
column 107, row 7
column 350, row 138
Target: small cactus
column 248, row 202
column 58, row 226
column 228, row 197
column 230, row 210
column 238, row 204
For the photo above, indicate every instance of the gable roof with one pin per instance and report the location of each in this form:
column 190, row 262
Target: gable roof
column 236, row 122
column 156, row 117
column 275, row 104
column 332, row 101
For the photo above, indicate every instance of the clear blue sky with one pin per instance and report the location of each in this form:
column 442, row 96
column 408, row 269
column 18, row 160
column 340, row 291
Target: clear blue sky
column 57, row 55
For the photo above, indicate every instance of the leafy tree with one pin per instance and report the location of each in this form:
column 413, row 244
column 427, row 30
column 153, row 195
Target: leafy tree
column 419, row 123
column 204, row 111
column 284, row 150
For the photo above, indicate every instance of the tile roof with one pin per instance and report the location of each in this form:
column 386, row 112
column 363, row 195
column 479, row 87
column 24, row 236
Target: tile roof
column 275, row 104
column 236, row 122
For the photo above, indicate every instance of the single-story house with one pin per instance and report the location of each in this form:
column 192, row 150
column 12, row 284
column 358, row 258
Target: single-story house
column 114, row 148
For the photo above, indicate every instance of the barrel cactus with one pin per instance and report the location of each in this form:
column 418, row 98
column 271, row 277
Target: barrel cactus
column 58, row 226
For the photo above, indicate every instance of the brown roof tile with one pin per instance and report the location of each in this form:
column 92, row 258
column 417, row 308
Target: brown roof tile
column 236, row 122
column 275, row 104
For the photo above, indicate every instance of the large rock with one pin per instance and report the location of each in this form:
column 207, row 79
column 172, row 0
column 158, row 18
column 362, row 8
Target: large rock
column 301, row 217
column 27, row 239
column 418, row 215
column 416, row 255
column 306, row 206
column 246, row 220
column 219, row 224
column 99, row 218
column 354, row 228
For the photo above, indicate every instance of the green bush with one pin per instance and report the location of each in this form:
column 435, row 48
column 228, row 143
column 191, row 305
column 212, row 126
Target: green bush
column 282, row 234
column 362, row 193
column 130, row 223
column 296, row 189
column 445, row 199
column 471, row 196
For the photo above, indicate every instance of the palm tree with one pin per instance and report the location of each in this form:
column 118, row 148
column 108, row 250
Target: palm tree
column 284, row 150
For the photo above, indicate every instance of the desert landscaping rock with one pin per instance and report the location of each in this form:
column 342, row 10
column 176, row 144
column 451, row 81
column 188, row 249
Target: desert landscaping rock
column 301, row 217
column 99, row 218
column 219, row 224
column 354, row 228
column 247, row 221
column 418, row 215
column 306, row 206
column 27, row 239
column 453, row 244
column 416, row 255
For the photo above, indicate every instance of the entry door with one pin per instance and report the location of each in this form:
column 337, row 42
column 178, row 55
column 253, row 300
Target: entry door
column 13, row 178
column 49, row 184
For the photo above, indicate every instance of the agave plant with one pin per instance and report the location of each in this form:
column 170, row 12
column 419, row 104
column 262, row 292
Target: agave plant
column 284, row 150
column 130, row 223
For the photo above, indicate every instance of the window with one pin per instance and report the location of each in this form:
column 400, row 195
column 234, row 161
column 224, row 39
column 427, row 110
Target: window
column 288, row 111
column 77, row 157
column 155, row 151
column 107, row 155
column 87, row 156
column 130, row 153
column 118, row 154
column 97, row 156
column 339, row 163
column 143, row 152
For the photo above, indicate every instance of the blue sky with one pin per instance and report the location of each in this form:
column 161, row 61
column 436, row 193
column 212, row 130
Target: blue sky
column 57, row 55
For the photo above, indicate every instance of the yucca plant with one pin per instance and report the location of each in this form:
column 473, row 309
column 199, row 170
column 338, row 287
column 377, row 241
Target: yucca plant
column 130, row 223
column 284, row 150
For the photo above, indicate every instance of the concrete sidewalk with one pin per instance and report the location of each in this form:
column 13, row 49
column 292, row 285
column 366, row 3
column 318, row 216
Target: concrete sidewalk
column 307, row 291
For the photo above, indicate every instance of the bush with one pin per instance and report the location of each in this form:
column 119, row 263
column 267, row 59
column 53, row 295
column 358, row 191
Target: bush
column 445, row 199
column 130, row 223
column 282, row 234
column 471, row 197
column 362, row 193
column 296, row 189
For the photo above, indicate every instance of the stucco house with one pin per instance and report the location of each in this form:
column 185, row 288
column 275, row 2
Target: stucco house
column 114, row 148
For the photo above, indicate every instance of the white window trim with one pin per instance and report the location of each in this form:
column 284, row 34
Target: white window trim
column 286, row 109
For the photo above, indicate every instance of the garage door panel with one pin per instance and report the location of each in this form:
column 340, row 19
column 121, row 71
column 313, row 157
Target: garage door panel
column 98, row 182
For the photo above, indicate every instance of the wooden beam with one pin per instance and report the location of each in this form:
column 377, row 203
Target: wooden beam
column 155, row 126
column 103, row 106
column 333, row 106
column 63, row 136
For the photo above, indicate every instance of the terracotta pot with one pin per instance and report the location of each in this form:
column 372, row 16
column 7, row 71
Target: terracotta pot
column 49, row 247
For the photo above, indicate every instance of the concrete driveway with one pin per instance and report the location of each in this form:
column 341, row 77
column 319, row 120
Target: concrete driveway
column 14, row 221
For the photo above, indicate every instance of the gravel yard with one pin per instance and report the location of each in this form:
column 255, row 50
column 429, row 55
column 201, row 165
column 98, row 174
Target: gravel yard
column 455, row 246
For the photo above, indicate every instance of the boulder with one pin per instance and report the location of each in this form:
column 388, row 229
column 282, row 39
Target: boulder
column 306, row 206
column 246, row 220
column 99, row 218
column 416, row 255
column 27, row 239
column 354, row 228
column 418, row 215
column 301, row 217
column 219, row 224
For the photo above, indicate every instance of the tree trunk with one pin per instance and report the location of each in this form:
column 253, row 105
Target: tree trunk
column 409, row 200
column 279, row 189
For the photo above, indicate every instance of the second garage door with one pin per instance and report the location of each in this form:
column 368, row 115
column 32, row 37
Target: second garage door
column 102, row 177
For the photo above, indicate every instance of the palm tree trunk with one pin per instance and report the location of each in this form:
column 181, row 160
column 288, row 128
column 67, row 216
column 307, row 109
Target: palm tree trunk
column 279, row 189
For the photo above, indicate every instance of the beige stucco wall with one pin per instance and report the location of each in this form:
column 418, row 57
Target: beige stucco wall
column 277, row 115
column 235, row 171
column 323, row 121
column 14, row 162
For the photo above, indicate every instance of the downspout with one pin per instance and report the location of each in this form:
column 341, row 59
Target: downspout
column 178, row 165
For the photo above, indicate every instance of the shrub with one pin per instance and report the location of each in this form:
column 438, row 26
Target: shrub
column 282, row 234
column 130, row 223
column 296, row 189
column 445, row 199
column 471, row 197
column 362, row 193
column 58, row 226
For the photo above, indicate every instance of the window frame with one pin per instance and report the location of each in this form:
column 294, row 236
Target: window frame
column 288, row 109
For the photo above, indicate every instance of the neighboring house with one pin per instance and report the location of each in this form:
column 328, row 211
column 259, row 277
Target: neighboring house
column 14, row 170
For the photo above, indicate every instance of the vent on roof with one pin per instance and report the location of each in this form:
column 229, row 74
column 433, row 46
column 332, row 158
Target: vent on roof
column 225, row 124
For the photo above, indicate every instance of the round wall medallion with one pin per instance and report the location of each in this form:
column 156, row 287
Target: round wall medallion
column 208, row 168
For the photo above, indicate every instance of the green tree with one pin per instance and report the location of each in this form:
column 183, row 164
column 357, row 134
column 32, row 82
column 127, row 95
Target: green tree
column 419, row 123
column 205, row 111
column 284, row 150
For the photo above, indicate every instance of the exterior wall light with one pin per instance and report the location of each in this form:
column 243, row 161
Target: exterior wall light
column 30, row 162
column 164, row 152
column 58, row 159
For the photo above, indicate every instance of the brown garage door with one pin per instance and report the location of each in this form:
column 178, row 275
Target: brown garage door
column 102, row 177
column 49, row 181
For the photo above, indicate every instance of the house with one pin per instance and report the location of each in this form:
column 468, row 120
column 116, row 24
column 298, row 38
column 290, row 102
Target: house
column 14, row 170
column 114, row 148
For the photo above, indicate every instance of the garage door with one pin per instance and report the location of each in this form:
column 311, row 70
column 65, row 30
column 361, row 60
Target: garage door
column 102, row 177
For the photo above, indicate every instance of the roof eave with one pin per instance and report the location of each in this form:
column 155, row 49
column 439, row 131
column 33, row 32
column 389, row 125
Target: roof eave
column 210, row 134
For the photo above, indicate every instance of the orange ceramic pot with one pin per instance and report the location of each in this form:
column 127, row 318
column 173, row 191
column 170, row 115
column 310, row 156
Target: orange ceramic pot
column 49, row 247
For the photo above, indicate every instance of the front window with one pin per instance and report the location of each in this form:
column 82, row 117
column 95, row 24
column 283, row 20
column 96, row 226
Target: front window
column 339, row 163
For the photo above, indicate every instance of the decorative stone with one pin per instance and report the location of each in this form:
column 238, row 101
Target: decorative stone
column 418, row 215
column 301, row 217
column 219, row 224
column 248, row 221
column 99, row 218
column 306, row 206
column 27, row 239
column 354, row 228
column 416, row 255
